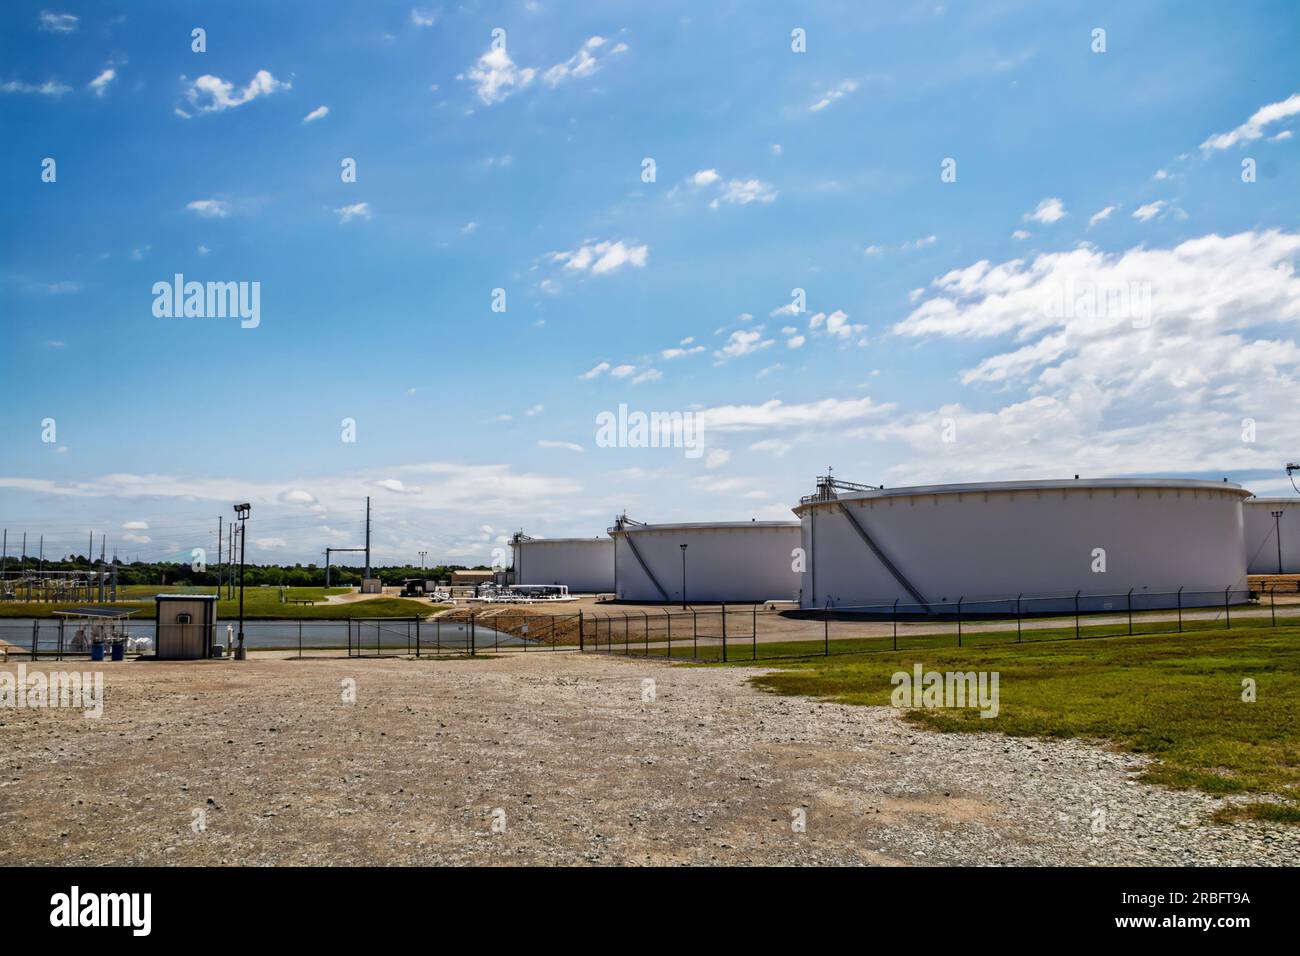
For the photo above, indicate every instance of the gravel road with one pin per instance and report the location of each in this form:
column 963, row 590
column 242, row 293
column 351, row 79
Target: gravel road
column 559, row 758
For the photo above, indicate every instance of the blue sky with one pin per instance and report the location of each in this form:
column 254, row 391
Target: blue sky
column 928, row 349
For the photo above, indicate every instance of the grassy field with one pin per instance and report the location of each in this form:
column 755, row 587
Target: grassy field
column 1177, row 698
column 259, row 604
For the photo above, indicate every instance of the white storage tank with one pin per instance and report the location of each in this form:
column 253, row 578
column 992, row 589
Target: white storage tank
column 935, row 544
column 1264, row 532
column 734, row 561
column 585, row 565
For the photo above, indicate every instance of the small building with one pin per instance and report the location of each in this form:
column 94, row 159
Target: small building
column 186, row 624
column 472, row 578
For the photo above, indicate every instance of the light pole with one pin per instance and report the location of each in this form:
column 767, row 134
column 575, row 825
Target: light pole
column 1277, row 528
column 422, row 554
column 241, row 513
column 683, row 547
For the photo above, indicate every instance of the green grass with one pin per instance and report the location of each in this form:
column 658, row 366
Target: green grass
column 1174, row 697
column 259, row 604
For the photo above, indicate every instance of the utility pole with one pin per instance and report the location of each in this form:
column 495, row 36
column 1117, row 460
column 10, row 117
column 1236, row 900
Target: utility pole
column 1277, row 528
column 241, row 512
column 41, row 559
column 367, row 536
column 220, row 518
column 24, row 553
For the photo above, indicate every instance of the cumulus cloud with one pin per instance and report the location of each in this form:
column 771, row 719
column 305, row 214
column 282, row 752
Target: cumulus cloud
column 1131, row 361
column 1048, row 211
column 496, row 77
column 319, row 112
column 357, row 210
column 595, row 371
column 210, row 208
column 99, row 85
column 211, row 94
column 1254, row 127
column 603, row 256
column 742, row 342
column 742, row 192
column 563, row 445
column 1149, row 211
column 589, row 58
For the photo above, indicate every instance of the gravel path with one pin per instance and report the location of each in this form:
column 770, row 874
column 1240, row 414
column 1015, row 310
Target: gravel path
column 582, row 768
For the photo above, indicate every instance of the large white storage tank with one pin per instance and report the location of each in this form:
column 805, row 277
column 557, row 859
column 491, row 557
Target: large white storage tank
column 937, row 544
column 1264, row 532
column 585, row 565
column 740, row 561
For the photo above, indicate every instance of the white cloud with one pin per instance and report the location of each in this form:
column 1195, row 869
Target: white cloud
column 319, row 112
column 211, row 94
column 495, row 76
column 776, row 149
column 601, row 257
column 1048, row 211
column 742, row 342
column 135, row 525
column 622, row 371
column 297, row 496
column 48, row 88
column 1020, row 234
column 210, row 208
column 920, row 243
column 271, row 544
column 423, row 18
column 873, row 250
column 649, row 375
column 534, row 410
column 565, row 445
column 58, row 22
column 833, row 94
column 99, row 85
column 1254, row 127
column 202, row 250
column 776, row 414
column 1100, row 215
column 1149, row 211
column 584, row 63
column 742, row 192
column 672, row 353
column 397, row 486
column 716, row 457
column 357, row 210
column 595, row 371
column 1153, row 363
column 705, row 177
column 795, row 341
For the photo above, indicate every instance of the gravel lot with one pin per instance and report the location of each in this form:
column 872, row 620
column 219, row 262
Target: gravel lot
column 583, row 769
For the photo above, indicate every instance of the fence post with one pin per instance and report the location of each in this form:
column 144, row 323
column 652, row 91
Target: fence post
column 959, row 600
column 417, row 638
column 668, row 616
column 1180, row 609
column 1272, row 603
column 627, row 636
column 1076, row 615
column 724, row 632
column 826, row 629
column 36, row 631
column 1227, row 611
column 895, row 623
column 1130, row 612
column 472, row 649
column 299, row 638
column 646, row 615
column 437, row 636
column 753, row 633
column 695, row 636
column 1018, row 597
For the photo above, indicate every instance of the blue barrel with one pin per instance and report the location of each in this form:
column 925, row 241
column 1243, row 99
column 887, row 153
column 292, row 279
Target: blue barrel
column 96, row 652
column 119, row 650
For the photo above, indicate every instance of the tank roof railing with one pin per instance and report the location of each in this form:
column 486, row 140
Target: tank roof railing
column 828, row 486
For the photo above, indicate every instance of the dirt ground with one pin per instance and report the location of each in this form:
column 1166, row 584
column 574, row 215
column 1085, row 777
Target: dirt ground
column 574, row 761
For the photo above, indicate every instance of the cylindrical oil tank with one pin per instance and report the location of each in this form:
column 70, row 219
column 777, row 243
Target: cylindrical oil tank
column 1265, row 531
column 739, row 561
column 584, row 565
column 1090, row 541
